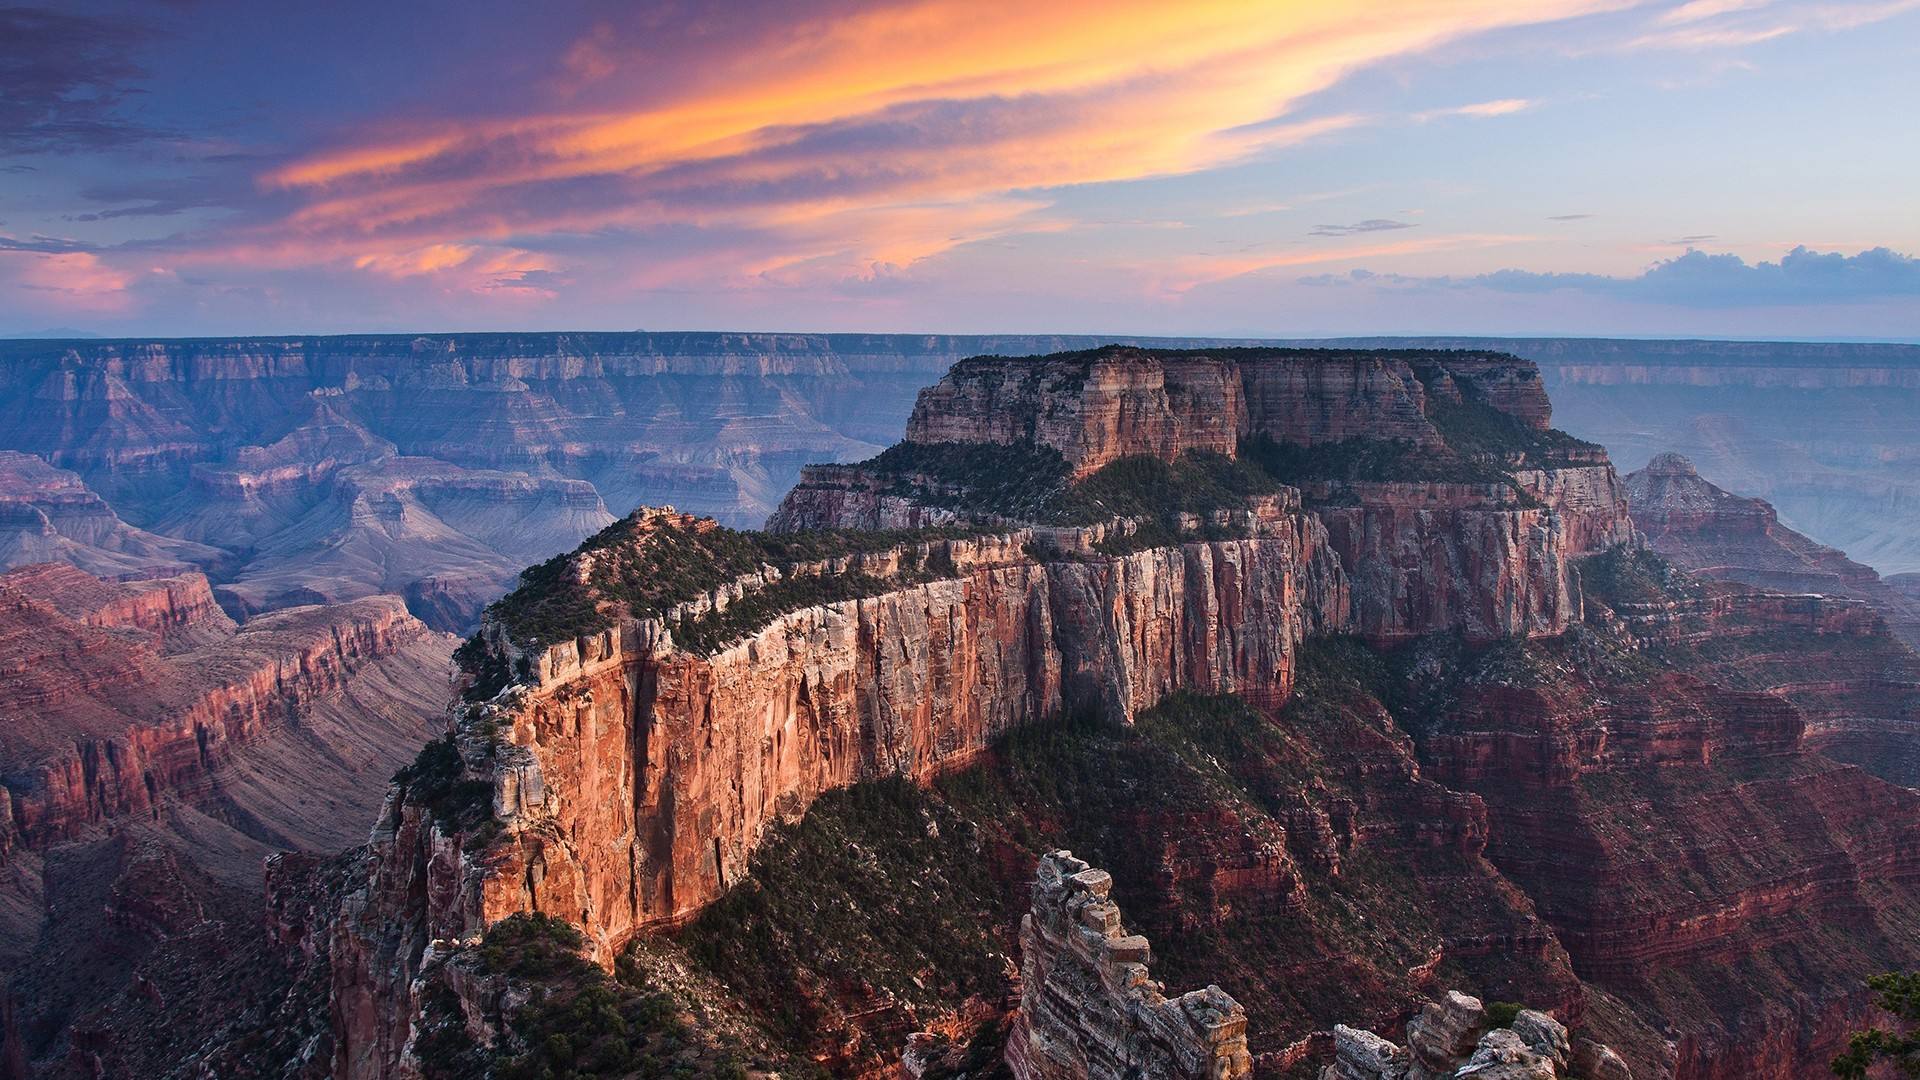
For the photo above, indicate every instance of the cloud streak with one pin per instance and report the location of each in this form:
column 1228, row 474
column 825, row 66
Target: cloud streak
column 874, row 110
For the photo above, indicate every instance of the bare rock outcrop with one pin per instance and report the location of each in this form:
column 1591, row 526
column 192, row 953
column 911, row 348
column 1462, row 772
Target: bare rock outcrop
column 1454, row 1037
column 1089, row 1010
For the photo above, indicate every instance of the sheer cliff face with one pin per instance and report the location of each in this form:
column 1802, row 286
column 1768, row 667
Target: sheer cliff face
column 634, row 779
column 1489, row 559
column 1102, row 406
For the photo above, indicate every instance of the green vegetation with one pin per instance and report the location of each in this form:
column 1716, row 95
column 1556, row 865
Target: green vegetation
column 436, row 781
column 708, row 632
column 575, row 1022
column 648, row 565
column 1898, row 994
column 1502, row 1013
column 487, row 671
column 1020, row 483
column 1361, row 459
column 1480, row 433
column 1629, row 575
column 882, row 890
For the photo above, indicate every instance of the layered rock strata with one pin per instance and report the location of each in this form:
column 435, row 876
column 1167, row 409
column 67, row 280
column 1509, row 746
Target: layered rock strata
column 126, row 693
column 677, row 761
column 1089, row 1010
column 1097, row 407
column 1714, row 533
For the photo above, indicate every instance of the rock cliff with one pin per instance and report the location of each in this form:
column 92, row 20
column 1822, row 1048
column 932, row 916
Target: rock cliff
column 1106, row 404
column 111, row 722
column 1717, row 534
column 621, row 741
column 1088, row 1008
column 154, row 755
column 1538, row 764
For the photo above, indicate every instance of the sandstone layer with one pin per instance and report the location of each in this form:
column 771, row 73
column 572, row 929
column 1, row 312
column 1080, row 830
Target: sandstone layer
column 1106, row 404
column 680, row 760
column 1553, row 751
column 1088, row 1008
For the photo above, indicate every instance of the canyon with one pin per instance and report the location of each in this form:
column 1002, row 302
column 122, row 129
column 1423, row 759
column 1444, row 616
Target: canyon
column 1345, row 665
column 320, row 469
column 1712, row 532
column 1519, row 642
column 155, row 753
column 302, row 470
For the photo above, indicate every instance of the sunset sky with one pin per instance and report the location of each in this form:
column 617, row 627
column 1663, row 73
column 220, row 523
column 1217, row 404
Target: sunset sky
column 1717, row 167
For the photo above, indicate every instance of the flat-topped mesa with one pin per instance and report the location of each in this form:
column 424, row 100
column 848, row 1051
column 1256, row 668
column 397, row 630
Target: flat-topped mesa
column 1451, row 503
column 1089, row 1009
column 1099, row 406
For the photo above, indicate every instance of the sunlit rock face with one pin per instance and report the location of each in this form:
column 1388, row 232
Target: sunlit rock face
column 1096, row 407
column 679, row 761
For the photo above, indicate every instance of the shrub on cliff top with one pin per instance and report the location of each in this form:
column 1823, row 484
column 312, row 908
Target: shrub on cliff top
column 647, row 564
column 436, row 780
column 578, row 1022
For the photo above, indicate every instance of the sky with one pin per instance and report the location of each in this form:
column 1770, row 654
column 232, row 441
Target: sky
column 1723, row 168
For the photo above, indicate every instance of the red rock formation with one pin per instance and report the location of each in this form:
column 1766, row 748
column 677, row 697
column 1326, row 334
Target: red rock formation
column 620, row 742
column 1720, row 535
column 1089, row 1011
column 1092, row 410
column 1100, row 406
column 109, row 722
column 1692, row 852
column 680, row 762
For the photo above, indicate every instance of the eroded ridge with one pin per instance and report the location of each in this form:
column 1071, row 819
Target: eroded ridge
column 1089, row 1010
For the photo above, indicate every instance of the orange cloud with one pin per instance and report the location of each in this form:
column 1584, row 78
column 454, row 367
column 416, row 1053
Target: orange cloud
column 75, row 281
column 844, row 126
